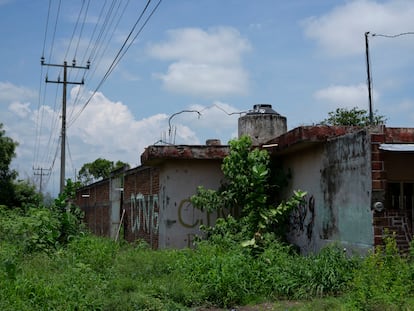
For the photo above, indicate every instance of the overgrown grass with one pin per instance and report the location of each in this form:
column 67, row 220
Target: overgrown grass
column 91, row 273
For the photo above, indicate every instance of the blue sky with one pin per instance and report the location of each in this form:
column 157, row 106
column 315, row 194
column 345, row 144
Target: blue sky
column 303, row 57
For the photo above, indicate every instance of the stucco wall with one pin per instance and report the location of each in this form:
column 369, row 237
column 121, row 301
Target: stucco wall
column 178, row 220
column 337, row 177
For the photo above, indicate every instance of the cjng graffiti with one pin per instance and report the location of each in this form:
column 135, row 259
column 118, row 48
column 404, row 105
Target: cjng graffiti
column 190, row 217
column 144, row 213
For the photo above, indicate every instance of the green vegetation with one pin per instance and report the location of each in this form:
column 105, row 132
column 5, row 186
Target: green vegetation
column 249, row 192
column 98, row 169
column 49, row 262
column 92, row 273
column 352, row 117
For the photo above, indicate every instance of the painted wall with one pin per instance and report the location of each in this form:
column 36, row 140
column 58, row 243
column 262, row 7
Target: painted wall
column 178, row 219
column 140, row 204
column 154, row 204
column 337, row 177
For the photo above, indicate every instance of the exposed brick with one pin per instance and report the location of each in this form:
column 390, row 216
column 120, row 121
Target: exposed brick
column 142, row 180
column 399, row 135
column 381, row 221
column 375, row 148
column 378, row 138
column 378, row 175
column 377, row 165
column 378, row 185
column 378, row 240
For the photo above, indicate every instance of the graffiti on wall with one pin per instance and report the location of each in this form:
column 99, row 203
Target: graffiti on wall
column 144, row 213
column 190, row 217
column 303, row 217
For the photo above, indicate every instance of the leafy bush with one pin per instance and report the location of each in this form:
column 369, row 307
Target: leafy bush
column 35, row 230
column 384, row 280
column 249, row 194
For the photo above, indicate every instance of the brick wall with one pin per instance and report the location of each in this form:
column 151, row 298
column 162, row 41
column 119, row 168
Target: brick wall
column 139, row 206
column 393, row 220
column 140, row 202
column 94, row 201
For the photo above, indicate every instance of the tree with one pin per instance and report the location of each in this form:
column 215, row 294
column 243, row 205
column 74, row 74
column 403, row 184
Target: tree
column 98, row 169
column 247, row 191
column 7, row 176
column 352, row 117
column 26, row 195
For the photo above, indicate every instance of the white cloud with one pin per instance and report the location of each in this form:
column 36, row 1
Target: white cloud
column 22, row 110
column 10, row 92
column 205, row 79
column 206, row 63
column 341, row 31
column 346, row 96
column 104, row 129
column 217, row 121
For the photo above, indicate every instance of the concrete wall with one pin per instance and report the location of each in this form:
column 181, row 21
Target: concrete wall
column 154, row 204
column 261, row 127
column 337, row 176
column 178, row 219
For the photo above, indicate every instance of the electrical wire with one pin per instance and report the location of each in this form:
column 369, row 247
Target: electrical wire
column 74, row 30
column 103, row 32
column 54, row 32
column 46, row 27
column 70, row 156
column 87, row 75
column 393, row 36
column 119, row 56
column 39, row 115
column 53, row 162
column 81, row 30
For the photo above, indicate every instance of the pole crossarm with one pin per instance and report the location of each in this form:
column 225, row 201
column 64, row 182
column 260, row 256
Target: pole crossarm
column 41, row 172
column 65, row 82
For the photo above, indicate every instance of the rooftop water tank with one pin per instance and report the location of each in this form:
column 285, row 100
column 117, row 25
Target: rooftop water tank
column 262, row 124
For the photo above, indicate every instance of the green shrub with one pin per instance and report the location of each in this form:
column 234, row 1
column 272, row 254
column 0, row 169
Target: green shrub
column 326, row 273
column 384, row 280
column 35, row 230
column 224, row 277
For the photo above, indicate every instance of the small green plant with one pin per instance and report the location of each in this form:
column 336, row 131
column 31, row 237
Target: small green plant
column 384, row 280
column 246, row 193
column 70, row 216
column 352, row 117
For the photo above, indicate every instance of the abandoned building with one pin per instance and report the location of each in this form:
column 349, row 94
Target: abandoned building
column 359, row 182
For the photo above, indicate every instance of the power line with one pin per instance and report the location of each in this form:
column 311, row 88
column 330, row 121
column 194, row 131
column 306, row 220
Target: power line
column 102, row 53
column 54, row 32
column 74, row 30
column 41, row 172
column 65, row 82
column 81, row 30
column 119, row 55
column 393, row 36
column 369, row 78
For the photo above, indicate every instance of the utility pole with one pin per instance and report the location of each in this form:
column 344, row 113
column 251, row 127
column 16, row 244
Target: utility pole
column 371, row 115
column 41, row 172
column 65, row 82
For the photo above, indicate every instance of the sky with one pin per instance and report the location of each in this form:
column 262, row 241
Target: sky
column 183, row 71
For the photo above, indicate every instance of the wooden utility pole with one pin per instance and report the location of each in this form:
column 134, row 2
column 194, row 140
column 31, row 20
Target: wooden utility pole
column 371, row 114
column 41, row 172
column 65, row 82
